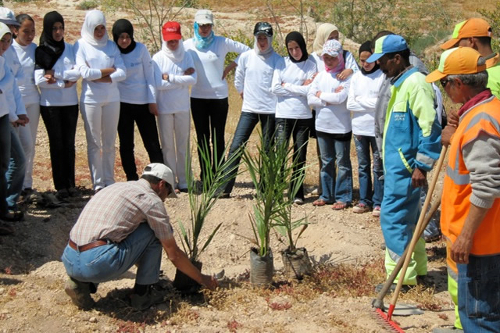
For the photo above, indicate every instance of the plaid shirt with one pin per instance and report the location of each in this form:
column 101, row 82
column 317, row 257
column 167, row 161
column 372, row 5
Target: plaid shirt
column 117, row 210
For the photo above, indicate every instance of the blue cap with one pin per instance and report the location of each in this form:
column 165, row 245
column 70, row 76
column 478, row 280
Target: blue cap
column 387, row 44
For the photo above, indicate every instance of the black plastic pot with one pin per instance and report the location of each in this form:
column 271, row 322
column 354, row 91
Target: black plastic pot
column 296, row 264
column 261, row 268
column 184, row 283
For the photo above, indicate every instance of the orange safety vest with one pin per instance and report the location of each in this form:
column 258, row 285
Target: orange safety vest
column 455, row 202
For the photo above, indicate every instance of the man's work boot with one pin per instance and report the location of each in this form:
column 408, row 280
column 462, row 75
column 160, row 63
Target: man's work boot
column 79, row 293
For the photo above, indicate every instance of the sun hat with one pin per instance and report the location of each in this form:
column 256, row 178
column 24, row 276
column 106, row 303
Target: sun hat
column 387, row 44
column 332, row 47
column 171, row 30
column 456, row 61
column 7, row 16
column 204, row 16
column 161, row 171
column 474, row 27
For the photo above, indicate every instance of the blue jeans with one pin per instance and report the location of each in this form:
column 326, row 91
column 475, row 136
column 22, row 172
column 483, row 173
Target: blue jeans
column 246, row 125
column 479, row 294
column 370, row 193
column 299, row 130
column 4, row 161
column 433, row 228
column 335, row 152
column 17, row 169
column 108, row 262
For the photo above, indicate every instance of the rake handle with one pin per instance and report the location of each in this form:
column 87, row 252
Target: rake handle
column 418, row 228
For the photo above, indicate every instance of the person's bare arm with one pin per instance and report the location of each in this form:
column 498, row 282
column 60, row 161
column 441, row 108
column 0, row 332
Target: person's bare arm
column 181, row 261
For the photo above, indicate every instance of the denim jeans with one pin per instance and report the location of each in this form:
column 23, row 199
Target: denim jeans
column 4, row 161
column 479, row 294
column 246, row 124
column 370, row 193
column 60, row 122
column 298, row 129
column 433, row 228
column 108, row 262
column 146, row 123
column 209, row 118
column 17, row 168
column 335, row 154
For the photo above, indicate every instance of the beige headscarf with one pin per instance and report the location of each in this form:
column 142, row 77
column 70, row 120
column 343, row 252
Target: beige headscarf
column 322, row 34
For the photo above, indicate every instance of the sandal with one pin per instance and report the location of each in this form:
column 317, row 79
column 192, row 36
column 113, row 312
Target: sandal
column 339, row 205
column 319, row 202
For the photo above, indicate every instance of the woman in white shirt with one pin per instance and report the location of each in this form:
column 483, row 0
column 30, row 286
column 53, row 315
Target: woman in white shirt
column 253, row 80
column 333, row 128
column 137, row 99
column 25, row 50
column 56, row 77
column 101, row 66
column 209, row 96
column 291, row 82
column 362, row 99
column 174, row 74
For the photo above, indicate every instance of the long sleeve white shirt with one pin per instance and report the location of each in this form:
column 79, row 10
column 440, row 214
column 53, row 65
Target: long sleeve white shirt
column 288, row 80
column 362, row 99
column 139, row 86
column 332, row 115
column 254, row 77
column 172, row 95
column 14, row 98
column 6, row 79
column 56, row 94
column 209, row 64
column 89, row 61
column 27, row 87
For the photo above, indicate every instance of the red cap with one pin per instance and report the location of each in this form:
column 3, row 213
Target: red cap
column 171, row 30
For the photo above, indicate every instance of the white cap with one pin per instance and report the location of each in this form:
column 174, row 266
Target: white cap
column 204, row 16
column 7, row 16
column 161, row 171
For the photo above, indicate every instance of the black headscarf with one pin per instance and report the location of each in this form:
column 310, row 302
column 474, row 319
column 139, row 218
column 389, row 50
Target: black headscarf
column 49, row 50
column 366, row 46
column 120, row 27
column 299, row 39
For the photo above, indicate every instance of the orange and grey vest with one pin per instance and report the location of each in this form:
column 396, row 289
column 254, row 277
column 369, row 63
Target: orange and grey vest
column 455, row 203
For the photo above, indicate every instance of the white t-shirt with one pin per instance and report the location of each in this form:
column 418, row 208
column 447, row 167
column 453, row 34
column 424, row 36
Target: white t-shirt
column 139, row 86
column 292, row 96
column 56, row 94
column 362, row 99
column 332, row 115
column 254, row 77
column 173, row 95
column 209, row 64
column 14, row 98
column 89, row 61
column 27, row 87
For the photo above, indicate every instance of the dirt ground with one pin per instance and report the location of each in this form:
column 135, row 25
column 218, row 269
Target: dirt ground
column 32, row 298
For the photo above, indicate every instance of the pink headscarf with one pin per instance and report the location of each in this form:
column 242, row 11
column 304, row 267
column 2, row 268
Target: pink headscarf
column 334, row 48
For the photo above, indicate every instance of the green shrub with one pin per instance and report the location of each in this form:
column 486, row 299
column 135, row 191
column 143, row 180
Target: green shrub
column 87, row 4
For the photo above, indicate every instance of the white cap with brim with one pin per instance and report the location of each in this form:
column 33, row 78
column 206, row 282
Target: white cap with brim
column 204, row 16
column 161, row 171
column 387, row 44
column 7, row 16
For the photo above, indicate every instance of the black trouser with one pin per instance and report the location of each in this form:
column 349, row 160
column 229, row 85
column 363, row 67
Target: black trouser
column 299, row 130
column 60, row 122
column 209, row 117
column 146, row 123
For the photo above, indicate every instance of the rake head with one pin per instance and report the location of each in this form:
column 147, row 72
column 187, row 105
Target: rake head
column 384, row 320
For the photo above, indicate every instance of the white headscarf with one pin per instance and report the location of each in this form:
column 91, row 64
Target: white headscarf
column 266, row 53
column 177, row 55
column 4, row 29
column 322, row 34
column 94, row 18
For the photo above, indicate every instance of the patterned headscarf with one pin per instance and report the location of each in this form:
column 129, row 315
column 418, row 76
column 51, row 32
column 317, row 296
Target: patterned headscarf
column 334, row 48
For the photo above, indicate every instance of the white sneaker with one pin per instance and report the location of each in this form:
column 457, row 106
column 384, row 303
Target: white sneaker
column 298, row 201
column 376, row 211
